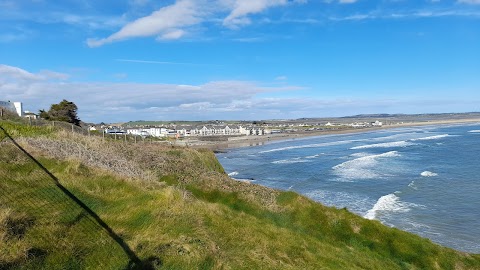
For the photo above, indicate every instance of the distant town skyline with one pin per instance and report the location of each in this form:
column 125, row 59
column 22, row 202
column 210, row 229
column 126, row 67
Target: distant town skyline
column 241, row 60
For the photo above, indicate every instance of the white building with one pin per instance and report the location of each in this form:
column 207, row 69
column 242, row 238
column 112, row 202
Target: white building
column 154, row 132
column 16, row 107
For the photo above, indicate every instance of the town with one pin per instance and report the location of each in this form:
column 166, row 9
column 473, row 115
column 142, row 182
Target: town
column 205, row 130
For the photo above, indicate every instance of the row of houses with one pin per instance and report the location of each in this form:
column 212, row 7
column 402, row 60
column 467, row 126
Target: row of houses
column 187, row 131
column 216, row 130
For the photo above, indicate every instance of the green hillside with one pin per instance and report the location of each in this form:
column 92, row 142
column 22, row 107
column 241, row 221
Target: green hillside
column 177, row 209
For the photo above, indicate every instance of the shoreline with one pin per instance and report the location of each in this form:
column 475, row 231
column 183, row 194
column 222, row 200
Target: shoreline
column 248, row 141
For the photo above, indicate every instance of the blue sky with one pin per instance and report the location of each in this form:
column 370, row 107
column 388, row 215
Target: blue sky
column 238, row 59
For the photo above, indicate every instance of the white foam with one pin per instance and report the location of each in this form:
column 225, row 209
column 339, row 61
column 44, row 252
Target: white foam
column 387, row 203
column 314, row 156
column 361, row 154
column 435, row 137
column 412, row 185
column 394, row 136
column 306, row 146
column 428, row 174
column 290, row 161
column 474, row 131
column 354, row 202
column 384, row 145
column 362, row 167
column 233, row 174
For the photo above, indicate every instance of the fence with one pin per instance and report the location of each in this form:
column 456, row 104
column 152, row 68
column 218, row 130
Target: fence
column 45, row 226
column 70, row 128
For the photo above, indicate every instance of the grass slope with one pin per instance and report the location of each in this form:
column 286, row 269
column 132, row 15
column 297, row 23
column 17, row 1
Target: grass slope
column 177, row 204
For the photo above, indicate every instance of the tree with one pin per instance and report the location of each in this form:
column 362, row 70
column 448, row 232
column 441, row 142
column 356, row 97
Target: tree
column 64, row 111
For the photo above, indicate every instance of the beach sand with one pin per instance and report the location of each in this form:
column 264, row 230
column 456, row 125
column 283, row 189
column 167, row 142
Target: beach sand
column 246, row 141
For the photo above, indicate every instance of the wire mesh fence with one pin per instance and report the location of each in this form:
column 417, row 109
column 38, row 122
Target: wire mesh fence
column 44, row 226
column 73, row 129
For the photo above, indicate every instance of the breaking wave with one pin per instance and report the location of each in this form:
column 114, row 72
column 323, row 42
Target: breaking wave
column 233, row 174
column 307, row 146
column 314, row 156
column 362, row 167
column 290, row 161
column 387, row 203
column 384, row 145
column 428, row 174
column 474, row 131
column 412, row 185
column 435, row 137
column 401, row 143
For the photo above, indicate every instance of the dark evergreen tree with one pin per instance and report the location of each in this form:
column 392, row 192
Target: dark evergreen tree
column 65, row 111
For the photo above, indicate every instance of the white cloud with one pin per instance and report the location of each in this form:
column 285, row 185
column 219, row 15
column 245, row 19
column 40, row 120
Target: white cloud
column 243, row 8
column 177, row 20
column 116, row 102
column 8, row 73
column 15, row 74
column 472, row 2
column 165, row 23
column 120, row 101
column 347, row 1
column 172, row 34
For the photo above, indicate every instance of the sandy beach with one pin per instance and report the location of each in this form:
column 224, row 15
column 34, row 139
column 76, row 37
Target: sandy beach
column 246, row 141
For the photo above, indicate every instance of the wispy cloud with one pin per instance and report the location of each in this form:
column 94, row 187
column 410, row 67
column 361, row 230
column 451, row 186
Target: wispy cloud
column 241, row 9
column 347, row 1
column 472, row 2
column 177, row 20
column 165, row 22
column 413, row 14
column 160, row 62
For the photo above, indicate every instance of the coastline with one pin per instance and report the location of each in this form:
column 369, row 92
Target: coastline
column 247, row 141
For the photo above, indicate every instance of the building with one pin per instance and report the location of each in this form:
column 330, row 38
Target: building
column 15, row 107
column 30, row 115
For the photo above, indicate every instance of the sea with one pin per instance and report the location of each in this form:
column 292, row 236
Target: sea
column 424, row 180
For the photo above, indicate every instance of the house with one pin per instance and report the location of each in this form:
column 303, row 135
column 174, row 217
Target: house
column 30, row 115
column 154, row 131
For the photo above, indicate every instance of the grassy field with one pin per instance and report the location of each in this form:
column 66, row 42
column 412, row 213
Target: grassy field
column 176, row 208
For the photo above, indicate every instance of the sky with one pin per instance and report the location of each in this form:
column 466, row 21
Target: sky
column 240, row 60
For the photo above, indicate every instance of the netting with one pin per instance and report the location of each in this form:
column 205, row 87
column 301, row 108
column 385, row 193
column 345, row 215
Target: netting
column 44, row 226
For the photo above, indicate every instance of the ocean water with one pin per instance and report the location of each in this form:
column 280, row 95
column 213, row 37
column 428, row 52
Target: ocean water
column 425, row 180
